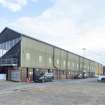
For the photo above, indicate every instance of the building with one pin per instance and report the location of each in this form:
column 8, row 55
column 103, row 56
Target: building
column 103, row 70
column 22, row 56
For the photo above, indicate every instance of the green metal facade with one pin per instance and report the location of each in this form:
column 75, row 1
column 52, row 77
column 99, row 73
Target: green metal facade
column 37, row 54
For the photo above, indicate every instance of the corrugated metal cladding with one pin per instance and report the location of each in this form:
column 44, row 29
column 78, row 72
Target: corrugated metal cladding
column 36, row 54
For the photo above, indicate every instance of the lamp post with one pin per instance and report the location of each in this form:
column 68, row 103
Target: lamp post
column 83, row 49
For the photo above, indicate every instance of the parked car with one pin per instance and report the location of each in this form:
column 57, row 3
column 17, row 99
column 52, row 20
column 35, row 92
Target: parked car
column 85, row 75
column 75, row 76
column 45, row 77
column 96, row 76
column 101, row 78
column 80, row 76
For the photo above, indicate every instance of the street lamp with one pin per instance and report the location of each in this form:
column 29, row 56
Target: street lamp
column 83, row 49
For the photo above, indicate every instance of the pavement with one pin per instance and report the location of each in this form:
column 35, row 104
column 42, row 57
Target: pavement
column 62, row 92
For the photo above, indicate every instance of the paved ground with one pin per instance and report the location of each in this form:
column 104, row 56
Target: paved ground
column 64, row 92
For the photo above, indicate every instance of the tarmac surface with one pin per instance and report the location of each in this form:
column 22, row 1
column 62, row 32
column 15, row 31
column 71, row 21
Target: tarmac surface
column 62, row 92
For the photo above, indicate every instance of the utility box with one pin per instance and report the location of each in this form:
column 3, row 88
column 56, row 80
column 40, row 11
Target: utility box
column 2, row 76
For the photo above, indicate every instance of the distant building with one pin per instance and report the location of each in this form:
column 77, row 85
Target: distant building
column 104, row 70
column 21, row 56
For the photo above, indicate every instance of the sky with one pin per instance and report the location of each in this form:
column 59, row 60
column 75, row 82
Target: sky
column 73, row 25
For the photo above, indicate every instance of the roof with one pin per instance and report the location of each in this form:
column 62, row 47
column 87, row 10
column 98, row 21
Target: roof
column 8, row 34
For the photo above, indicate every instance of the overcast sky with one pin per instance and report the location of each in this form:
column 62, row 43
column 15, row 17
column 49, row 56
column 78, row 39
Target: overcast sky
column 69, row 24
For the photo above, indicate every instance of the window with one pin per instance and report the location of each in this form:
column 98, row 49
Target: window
column 73, row 65
column 77, row 66
column 50, row 60
column 64, row 63
column 11, row 43
column 57, row 61
column 40, row 58
column 28, row 57
column 68, row 63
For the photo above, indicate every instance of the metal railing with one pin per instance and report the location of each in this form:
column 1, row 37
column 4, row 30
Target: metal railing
column 8, row 61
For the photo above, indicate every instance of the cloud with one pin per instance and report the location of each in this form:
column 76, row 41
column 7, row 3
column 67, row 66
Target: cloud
column 70, row 24
column 14, row 5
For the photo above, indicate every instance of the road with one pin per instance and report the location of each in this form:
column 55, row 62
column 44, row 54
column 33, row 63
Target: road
column 63, row 92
